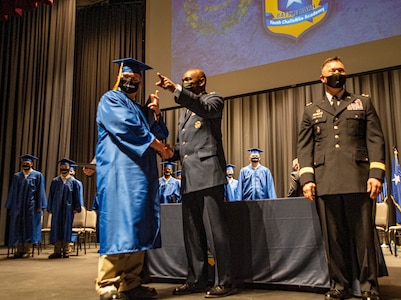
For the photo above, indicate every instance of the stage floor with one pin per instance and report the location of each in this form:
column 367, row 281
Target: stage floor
column 40, row 278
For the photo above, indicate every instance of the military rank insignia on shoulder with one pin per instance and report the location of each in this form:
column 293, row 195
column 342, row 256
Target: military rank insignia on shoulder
column 211, row 93
column 365, row 95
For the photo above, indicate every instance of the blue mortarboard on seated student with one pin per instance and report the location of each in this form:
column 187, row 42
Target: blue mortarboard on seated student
column 28, row 157
column 254, row 151
column 177, row 173
column 230, row 167
column 168, row 164
column 67, row 162
column 130, row 65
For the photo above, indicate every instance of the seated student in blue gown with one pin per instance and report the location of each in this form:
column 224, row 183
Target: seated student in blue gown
column 255, row 181
column 231, row 187
column 169, row 187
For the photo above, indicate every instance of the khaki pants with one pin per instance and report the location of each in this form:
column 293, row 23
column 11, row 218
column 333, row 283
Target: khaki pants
column 119, row 272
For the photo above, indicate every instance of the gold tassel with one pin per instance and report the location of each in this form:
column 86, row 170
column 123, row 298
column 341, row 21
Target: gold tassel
column 120, row 71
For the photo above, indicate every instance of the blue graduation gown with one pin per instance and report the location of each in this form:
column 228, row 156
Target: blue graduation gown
column 230, row 190
column 127, row 178
column 25, row 197
column 63, row 200
column 168, row 189
column 256, row 183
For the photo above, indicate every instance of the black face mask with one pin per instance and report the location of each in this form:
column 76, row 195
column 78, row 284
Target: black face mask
column 64, row 171
column 229, row 175
column 128, row 85
column 26, row 167
column 255, row 159
column 336, row 80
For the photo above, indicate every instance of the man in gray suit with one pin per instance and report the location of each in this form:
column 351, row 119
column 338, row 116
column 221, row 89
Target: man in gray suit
column 200, row 149
column 341, row 157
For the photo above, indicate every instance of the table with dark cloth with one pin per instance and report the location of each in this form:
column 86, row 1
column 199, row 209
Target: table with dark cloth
column 273, row 242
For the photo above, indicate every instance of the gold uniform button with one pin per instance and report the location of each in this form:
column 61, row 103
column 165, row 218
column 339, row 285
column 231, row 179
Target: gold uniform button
column 183, row 130
column 335, row 119
column 335, row 127
column 336, row 136
column 337, row 146
column 184, row 143
column 186, row 155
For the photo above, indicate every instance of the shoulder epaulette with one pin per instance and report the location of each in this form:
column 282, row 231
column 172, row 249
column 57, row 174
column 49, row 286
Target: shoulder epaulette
column 365, row 95
column 309, row 104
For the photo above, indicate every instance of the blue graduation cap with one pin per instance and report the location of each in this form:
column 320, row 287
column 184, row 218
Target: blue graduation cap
column 67, row 162
column 168, row 164
column 28, row 157
column 255, row 151
column 131, row 65
column 177, row 173
column 230, row 167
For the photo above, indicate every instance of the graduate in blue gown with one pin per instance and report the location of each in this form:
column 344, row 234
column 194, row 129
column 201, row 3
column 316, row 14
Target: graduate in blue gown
column 129, row 135
column 25, row 203
column 231, row 187
column 169, row 187
column 63, row 202
column 255, row 181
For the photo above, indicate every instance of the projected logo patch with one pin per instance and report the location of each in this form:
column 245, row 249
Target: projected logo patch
column 294, row 17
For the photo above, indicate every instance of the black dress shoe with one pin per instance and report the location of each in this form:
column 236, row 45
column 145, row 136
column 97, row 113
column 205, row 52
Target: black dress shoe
column 110, row 296
column 18, row 255
column 369, row 296
column 55, row 255
column 336, row 294
column 140, row 292
column 190, row 288
column 221, row 291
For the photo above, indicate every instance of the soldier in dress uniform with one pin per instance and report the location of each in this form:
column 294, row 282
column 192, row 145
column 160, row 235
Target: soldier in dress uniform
column 341, row 157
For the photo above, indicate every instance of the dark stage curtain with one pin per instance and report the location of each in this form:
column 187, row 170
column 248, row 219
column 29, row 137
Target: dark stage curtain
column 103, row 33
column 36, row 65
